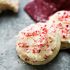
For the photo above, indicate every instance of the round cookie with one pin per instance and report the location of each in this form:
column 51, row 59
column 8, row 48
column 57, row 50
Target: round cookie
column 37, row 44
column 61, row 20
column 12, row 5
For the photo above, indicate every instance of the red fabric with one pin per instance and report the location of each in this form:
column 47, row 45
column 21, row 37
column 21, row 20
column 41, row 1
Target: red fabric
column 40, row 10
column 66, row 5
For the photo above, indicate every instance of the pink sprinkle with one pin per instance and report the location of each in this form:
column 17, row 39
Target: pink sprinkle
column 53, row 21
column 64, row 13
column 20, row 44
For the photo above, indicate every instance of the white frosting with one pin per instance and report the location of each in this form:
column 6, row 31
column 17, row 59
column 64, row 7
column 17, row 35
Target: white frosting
column 61, row 20
column 38, row 38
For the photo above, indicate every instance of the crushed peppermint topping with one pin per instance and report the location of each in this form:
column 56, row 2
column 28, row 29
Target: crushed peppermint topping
column 62, row 22
column 45, row 57
column 35, row 38
column 64, row 16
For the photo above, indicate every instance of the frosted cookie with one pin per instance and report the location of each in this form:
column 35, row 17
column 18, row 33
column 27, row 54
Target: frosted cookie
column 9, row 5
column 37, row 44
column 61, row 20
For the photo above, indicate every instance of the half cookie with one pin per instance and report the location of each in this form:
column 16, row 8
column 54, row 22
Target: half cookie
column 9, row 5
column 61, row 20
column 37, row 44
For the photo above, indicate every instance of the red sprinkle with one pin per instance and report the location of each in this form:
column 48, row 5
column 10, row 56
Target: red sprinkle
column 26, row 59
column 23, row 45
column 45, row 25
column 41, row 45
column 64, row 13
column 53, row 21
column 45, row 57
column 59, row 24
column 34, row 51
column 34, row 33
column 20, row 44
column 28, row 34
column 64, row 36
column 67, row 25
column 45, row 30
column 66, row 16
column 34, row 61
